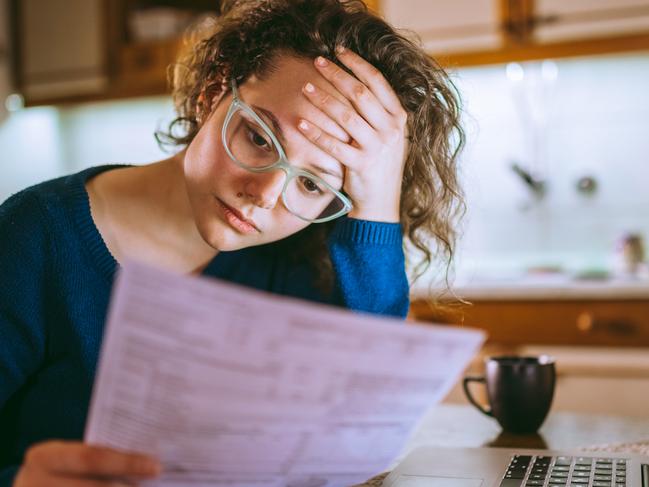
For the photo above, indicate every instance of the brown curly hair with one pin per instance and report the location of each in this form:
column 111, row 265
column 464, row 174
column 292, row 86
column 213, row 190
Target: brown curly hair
column 245, row 40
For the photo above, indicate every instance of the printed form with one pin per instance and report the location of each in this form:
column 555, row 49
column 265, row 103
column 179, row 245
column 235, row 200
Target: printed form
column 230, row 386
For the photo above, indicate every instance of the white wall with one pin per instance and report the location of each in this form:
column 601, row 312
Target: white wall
column 42, row 143
column 593, row 119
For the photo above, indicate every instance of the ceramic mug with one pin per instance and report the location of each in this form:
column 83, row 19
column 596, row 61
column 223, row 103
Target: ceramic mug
column 519, row 390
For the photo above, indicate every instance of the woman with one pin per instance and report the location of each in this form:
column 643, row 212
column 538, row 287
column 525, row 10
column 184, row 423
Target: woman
column 313, row 137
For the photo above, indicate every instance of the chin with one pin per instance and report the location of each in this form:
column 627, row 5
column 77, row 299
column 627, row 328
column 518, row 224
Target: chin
column 225, row 239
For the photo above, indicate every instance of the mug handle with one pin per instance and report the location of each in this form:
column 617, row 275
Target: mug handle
column 465, row 385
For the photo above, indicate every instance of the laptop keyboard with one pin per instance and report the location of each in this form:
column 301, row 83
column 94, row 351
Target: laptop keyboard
column 537, row 471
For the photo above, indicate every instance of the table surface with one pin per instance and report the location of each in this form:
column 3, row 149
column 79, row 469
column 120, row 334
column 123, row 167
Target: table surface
column 464, row 426
column 450, row 425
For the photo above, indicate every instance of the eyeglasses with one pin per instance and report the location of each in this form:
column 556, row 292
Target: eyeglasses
column 251, row 144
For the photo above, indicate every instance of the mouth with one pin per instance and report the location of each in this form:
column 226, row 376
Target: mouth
column 237, row 220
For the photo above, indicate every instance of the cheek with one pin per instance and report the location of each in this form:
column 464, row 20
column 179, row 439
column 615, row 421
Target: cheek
column 207, row 165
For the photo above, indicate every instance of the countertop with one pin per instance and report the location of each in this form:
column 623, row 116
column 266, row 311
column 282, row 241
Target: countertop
column 540, row 287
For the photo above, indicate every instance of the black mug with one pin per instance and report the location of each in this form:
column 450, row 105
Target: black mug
column 519, row 389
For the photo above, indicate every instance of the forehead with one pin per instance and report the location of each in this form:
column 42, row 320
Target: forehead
column 281, row 93
column 283, row 86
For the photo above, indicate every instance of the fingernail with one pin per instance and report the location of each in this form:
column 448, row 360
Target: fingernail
column 340, row 49
column 309, row 88
column 320, row 61
column 303, row 125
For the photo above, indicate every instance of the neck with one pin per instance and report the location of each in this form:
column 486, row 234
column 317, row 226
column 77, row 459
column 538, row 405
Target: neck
column 167, row 191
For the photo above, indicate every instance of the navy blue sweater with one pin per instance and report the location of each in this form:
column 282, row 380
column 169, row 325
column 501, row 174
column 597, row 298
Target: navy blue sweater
column 56, row 275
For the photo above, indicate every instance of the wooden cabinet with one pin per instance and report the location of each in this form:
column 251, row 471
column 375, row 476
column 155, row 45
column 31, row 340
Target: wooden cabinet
column 141, row 68
column 444, row 26
column 61, row 48
column 81, row 50
column 617, row 323
column 558, row 20
column 467, row 32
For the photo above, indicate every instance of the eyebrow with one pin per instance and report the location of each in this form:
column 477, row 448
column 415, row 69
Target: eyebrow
column 277, row 128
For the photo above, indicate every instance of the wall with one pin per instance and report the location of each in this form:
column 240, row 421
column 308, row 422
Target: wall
column 564, row 120
column 45, row 142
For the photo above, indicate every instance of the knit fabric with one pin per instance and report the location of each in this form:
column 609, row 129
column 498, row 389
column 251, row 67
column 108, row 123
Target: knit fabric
column 56, row 277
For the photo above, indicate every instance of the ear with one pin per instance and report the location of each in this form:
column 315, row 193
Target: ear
column 217, row 99
column 202, row 98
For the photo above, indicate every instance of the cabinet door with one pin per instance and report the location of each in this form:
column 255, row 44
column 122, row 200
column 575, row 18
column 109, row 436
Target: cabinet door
column 443, row 26
column 62, row 49
column 519, row 322
column 558, row 20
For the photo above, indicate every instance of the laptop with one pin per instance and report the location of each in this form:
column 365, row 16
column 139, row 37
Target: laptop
column 503, row 467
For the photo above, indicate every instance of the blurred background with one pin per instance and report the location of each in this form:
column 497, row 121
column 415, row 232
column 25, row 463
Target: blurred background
column 556, row 167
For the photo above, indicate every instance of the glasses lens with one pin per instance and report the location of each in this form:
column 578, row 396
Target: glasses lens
column 249, row 143
column 310, row 199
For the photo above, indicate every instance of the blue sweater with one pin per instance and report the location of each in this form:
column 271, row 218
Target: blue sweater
column 56, row 274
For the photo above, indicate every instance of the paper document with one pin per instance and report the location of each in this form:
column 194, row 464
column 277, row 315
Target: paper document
column 231, row 386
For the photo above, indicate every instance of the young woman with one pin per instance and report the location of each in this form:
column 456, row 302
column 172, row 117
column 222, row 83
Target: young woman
column 313, row 139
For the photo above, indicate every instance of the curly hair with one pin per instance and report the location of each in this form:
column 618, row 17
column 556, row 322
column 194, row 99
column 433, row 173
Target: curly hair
column 246, row 39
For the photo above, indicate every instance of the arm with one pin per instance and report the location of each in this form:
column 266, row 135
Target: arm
column 22, row 341
column 24, row 259
column 367, row 254
column 369, row 264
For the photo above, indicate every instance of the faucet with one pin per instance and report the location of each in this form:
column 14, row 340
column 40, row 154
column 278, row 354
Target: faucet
column 535, row 184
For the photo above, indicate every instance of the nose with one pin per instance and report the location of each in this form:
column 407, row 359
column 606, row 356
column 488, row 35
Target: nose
column 264, row 189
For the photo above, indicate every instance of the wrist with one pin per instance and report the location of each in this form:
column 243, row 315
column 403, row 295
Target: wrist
column 375, row 215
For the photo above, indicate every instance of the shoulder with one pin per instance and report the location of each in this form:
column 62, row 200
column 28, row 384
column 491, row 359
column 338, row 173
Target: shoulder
column 41, row 202
column 29, row 218
column 22, row 212
column 24, row 231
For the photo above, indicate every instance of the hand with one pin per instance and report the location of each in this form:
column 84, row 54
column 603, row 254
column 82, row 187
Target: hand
column 376, row 123
column 75, row 464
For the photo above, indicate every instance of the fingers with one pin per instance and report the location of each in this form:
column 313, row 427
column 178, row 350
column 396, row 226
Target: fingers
column 72, row 458
column 344, row 153
column 344, row 115
column 359, row 94
column 28, row 478
column 329, row 126
column 373, row 79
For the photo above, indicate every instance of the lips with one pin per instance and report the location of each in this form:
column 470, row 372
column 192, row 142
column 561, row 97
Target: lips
column 237, row 220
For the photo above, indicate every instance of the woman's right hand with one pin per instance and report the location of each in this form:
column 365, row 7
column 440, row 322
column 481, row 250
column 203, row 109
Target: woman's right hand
column 76, row 464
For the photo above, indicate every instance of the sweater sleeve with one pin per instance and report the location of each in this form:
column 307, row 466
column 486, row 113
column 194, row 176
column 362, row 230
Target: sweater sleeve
column 369, row 265
column 22, row 339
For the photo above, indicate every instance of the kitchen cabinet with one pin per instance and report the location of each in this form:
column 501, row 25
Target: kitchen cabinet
column 558, row 20
column 83, row 50
column 146, row 38
column 516, row 322
column 466, row 32
column 446, row 27
column 70, row 51
column 61, row 48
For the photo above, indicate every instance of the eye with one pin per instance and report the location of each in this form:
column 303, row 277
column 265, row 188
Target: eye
column 257, row 139
column 310, row 186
